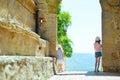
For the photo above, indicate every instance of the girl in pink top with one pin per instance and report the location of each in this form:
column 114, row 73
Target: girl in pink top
column 98, row 53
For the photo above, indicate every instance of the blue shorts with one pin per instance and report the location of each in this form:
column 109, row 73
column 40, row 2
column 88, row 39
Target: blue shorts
column 98, row 54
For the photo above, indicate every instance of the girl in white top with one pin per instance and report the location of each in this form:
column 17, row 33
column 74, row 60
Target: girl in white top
column 60, row 57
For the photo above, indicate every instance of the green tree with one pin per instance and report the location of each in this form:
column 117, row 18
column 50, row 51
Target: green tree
column 64, row 21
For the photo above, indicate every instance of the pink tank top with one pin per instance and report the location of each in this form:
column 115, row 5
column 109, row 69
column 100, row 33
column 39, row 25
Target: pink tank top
column 97, row 47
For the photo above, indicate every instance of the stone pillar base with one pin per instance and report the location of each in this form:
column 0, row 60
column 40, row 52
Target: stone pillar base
column 25, row 68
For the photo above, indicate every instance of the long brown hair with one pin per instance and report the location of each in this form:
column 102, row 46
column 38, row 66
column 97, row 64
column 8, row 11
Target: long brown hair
column 98, row 41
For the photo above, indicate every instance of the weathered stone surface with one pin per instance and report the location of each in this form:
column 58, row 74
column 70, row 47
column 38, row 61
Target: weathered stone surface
column 53, row 5
column 48, row 30
column 21, row 39
column 25, row 68
column 18, row 38
column 23, row 12
column 48, row 26
column 44, row 50
column 18, row 41
column 111, row 35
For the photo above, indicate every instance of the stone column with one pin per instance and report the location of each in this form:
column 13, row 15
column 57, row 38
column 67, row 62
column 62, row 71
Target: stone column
column 52, row 32
column 111, row 35
column 48, row 23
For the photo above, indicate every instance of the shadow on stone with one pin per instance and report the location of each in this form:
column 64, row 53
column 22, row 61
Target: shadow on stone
column 89, row 73
column 92, row 73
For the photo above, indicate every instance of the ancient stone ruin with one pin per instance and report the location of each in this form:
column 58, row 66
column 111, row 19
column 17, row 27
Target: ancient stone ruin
column 28, row 38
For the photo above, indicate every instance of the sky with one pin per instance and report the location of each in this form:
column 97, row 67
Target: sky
column 86, row 23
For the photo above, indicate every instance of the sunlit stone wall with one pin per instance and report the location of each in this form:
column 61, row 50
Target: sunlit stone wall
column 17, row 29
column 25, row 68
column 111, row 35
column 19, row 12
column 23, row 15
column 48, row 26
column 22, row 51
column 17, row 41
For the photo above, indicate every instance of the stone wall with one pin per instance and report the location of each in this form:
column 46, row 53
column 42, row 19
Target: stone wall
column 23, row 15
column 48, row 26
column 22, row 51
column 19, row 12
column 111, row 35
column 17, row 41
column 17, row 29
column 25, row 68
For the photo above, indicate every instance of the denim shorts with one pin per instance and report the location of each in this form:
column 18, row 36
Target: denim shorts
column 98, row 54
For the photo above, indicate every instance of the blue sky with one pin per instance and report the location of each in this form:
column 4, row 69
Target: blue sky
column 86, row 23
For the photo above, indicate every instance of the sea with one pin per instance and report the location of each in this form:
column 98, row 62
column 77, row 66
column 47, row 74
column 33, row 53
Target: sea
column 80, row 62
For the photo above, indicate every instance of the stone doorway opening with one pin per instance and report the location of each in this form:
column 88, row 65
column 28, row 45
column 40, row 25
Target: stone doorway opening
column 110, row 27
column 86, row 25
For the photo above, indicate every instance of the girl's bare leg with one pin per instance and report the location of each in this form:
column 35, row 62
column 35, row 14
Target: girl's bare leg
column 98, row 61
column 61, row 68
column 95, row 64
